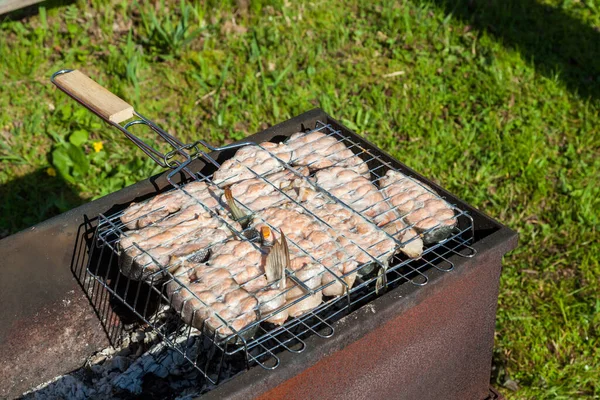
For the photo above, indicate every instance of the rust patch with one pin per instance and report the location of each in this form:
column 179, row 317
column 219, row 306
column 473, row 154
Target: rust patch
column 54, row 341
column 441, row 348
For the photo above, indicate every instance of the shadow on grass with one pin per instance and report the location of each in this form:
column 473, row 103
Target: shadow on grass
column 556, row 43
column 33, row 198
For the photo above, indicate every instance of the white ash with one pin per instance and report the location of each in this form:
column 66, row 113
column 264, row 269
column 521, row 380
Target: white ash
column 159, row 360
column 142, row 359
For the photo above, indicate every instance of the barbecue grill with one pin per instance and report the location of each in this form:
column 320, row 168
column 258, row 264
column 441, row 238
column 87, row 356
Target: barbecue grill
column 457, row 260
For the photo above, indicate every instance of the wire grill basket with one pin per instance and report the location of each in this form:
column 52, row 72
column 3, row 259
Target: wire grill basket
column 260, row 342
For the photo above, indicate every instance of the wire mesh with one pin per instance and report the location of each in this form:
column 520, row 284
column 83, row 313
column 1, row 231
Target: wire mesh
column 260, row 342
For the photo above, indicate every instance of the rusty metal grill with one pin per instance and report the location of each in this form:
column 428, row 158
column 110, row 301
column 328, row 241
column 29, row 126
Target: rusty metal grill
column 260, row 342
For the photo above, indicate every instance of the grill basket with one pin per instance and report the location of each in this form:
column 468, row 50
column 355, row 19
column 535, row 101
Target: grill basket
column 260, row 342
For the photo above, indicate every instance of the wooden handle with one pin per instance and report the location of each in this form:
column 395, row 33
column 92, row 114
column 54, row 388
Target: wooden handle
column 89, row 93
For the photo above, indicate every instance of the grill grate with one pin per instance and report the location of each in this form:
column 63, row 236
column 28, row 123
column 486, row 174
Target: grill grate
column 208, row 352
column 260, row 342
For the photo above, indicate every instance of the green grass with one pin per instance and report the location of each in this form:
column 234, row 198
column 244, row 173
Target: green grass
column 498, row 101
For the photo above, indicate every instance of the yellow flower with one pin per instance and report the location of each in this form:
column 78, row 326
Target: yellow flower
column 98, row 146
column 51, row 171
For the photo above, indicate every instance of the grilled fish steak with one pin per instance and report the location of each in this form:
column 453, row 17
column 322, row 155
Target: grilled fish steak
column 209, row 299
column 252, row 159
column 139, row 215
column 317, row 150
column 229, row 291
column 259, row 193
column 364, row 197
column 418, row 204
column 191, row 230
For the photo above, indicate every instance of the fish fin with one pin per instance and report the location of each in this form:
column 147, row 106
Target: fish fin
column 236, row 212
column 381, row 283
column 272, row 267
column 286, row 260
column 277, row 261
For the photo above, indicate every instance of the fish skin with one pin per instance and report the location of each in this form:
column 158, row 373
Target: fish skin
column 269, row 301
column 311, row 274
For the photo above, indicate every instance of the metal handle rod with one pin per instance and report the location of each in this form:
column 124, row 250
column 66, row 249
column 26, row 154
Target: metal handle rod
column 104, row 104
column 115, row 111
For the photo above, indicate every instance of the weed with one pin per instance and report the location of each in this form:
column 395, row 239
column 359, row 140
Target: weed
column 168, row 33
